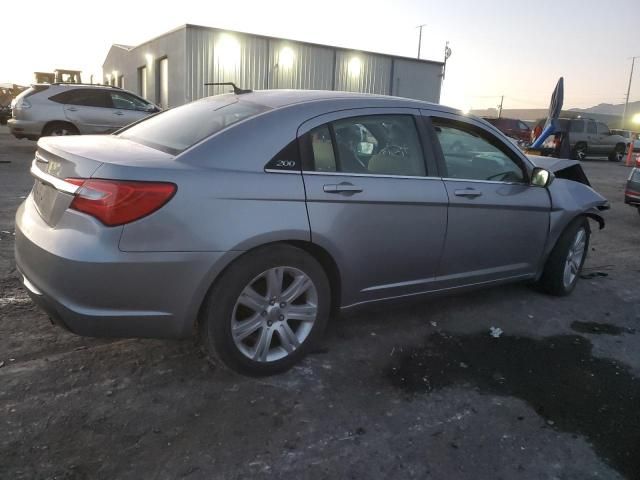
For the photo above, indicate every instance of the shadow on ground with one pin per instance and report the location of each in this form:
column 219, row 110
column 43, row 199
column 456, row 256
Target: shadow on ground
column 558, row 376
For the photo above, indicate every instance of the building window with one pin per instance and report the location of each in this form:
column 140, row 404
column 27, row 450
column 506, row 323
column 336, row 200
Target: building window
column 121, row 81
column 142, row 82
column 163, row 83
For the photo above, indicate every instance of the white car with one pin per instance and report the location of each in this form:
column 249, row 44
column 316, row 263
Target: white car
column 74, row 109
column 627, row 134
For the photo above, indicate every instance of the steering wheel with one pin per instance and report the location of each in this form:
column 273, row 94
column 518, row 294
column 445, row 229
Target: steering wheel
column 394, row 150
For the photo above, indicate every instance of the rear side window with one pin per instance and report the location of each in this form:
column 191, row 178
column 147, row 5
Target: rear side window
column 177, row 129
column 577, row 126
column 591, row 127
column 375, row 144
column 84, row 97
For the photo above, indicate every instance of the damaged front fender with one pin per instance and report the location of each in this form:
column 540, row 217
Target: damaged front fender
column 571, row 196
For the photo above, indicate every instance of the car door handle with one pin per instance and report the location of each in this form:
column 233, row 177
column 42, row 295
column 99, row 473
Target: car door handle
column 118, row 113
column 342, row 188
column 468, row 192
column 72, row 109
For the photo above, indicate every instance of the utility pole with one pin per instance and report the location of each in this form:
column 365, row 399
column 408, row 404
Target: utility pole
column 626, row 103
column 500, row 106
column 447, row 54
column 420, row 38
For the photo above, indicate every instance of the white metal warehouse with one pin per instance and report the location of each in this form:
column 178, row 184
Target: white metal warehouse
column 172, row 69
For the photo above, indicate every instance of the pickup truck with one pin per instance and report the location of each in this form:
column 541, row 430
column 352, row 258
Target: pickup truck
column 589, row 137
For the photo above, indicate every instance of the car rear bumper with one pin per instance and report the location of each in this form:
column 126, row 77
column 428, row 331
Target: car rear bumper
column 94, row 289
column 25, row 128
column 632, row 200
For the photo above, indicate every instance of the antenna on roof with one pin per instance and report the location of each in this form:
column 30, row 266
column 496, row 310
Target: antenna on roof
column 236, row 90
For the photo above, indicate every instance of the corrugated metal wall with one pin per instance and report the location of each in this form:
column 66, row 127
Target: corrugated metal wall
column 363, row 72
column 215, row 56
column 294, row 65
column 260, row 62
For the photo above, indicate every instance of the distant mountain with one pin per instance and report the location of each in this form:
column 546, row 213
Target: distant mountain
column 605, row 112
column 610, row 109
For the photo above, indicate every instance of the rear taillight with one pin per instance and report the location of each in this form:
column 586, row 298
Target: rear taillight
column 116, row 202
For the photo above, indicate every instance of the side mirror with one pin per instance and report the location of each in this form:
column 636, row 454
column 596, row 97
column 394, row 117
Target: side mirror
column 541, row 177
column 151, row 108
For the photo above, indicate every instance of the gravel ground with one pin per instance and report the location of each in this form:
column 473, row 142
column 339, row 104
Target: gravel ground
column 414, row 391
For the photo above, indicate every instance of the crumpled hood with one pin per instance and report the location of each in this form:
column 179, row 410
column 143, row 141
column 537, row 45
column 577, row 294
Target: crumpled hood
column 552, row 164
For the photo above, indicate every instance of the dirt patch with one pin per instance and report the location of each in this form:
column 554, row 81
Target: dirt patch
column 558, row 376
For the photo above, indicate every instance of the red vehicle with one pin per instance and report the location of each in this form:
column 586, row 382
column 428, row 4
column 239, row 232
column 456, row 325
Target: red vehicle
column 512, row 127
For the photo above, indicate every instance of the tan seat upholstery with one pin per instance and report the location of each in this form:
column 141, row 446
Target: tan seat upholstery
column 323, row 155
column 385, row 164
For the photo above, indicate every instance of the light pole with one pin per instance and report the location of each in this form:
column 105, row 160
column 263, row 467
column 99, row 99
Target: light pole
column 420, row 38
column 500, row 107
column 626, row 103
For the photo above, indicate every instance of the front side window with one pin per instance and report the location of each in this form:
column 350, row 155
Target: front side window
column 177, row 129
column 603, row 129
column 523, row 126
column 375, row 144
column 126, row 101
column 591, row 127
column 471, row 155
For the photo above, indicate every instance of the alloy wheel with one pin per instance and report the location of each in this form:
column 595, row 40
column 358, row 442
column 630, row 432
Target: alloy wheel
column 575, row 255
column 274, row 314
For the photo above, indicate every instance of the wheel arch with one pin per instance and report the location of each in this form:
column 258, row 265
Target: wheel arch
column 52, row 122
column 320, row 254
column 558, row 233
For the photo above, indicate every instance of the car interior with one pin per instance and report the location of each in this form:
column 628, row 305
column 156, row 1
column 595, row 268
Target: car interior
column 469, row 156
column 378, row 145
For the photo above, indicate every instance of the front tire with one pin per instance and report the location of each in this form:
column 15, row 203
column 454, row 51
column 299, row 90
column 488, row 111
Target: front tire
column 266, row 311
column 563, row 267
column 618, row 153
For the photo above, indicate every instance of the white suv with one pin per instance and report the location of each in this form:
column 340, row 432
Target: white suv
column 72, row 109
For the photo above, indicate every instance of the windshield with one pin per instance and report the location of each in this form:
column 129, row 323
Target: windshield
column 177, row 129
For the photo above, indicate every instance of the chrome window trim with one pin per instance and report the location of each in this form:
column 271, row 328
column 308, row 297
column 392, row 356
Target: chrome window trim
column 373, row 175
column 55, row 182
column 486, row 181
column 275, row 170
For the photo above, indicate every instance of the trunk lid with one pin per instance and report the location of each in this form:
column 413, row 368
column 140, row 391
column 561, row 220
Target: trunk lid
column 59, row 158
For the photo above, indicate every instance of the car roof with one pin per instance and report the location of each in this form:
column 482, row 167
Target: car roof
column 281, row 98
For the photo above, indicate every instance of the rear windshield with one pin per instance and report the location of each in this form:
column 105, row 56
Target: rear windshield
column 179, row 128
column 635, row 175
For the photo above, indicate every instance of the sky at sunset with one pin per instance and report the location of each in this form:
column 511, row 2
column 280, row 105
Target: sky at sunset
column 513, row 48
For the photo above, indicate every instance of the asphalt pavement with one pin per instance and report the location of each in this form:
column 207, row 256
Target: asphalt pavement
column 413, row 391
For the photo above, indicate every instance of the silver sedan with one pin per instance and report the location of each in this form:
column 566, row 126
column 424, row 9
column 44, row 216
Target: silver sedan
column 250, row 219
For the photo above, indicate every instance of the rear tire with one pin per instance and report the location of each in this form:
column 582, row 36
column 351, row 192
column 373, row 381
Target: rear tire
column 253, row 322
column 59, row 129
column 563, row 267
